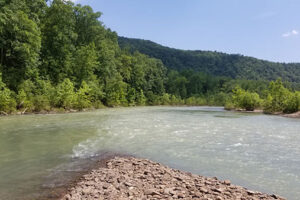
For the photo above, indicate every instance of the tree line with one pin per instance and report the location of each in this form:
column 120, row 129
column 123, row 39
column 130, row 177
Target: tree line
column 216, row 63
column 55, row 55
column 276, row 99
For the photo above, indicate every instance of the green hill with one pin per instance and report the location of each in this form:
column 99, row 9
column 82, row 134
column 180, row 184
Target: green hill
column 215, row 63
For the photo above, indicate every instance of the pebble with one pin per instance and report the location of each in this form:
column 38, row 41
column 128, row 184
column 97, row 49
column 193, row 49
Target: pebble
column 133, row 178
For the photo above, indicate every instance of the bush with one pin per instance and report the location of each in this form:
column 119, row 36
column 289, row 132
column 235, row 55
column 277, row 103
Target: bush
column 96, row 93
column 140, row 98
column 23, row 101
column 245, row 99
column 115, row 92
column 41, row 102
column 165, row 99
column 176, row 100
column 82, row 99
column 131, row 97
column 280, row 99
column 65, row 94
column 153, row 99
column 291, row 103
column 7, row 102
column 195, row 101
column 229, row 105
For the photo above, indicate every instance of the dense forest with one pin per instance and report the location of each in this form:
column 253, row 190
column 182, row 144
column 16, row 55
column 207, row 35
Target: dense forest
column 215, row 63
column 57, row 56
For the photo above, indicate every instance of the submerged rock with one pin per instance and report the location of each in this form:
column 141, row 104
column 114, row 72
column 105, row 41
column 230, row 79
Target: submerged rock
column 132, row 178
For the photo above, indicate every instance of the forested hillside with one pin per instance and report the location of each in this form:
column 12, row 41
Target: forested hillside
column 58, row 56
column 215, row 63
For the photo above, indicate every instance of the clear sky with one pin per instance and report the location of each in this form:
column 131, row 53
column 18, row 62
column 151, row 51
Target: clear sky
column 266, row 29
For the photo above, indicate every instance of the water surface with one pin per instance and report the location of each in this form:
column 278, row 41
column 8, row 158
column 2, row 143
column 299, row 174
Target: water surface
column 260, row 152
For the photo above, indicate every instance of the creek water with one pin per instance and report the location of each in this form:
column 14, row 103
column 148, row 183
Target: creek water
column 260, row 152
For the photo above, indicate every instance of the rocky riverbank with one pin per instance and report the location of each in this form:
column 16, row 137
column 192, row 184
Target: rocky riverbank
column 132, row 178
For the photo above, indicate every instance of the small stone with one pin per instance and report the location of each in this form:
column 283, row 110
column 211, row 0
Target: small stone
column 197, row 194
column 219, row 190
column 250, row 192
column 131, row 178
column 227, row 182
column 203, row 190
column 181, row 195
column 151, row 192
column 275, row 196
column 105, row 186
column 86, row 191
column 128, row 184
column 172, row 192
column 219, row 198
column 167, row 190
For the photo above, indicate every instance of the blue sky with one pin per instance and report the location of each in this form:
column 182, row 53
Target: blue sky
column 266, row 29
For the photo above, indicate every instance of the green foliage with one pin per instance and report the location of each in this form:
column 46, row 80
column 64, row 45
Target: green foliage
column 41, row 102
column 58, row 40
column 85, row 63
column 229, row 105
column 215, row 63
column 245, row 99
column 165, row 99
column 280, row 99
column 23, row 101
column 195, row 101
column 82, row 97
column 65, row 95
column 7, row 102
column 115, row 92
column 20, row 42
column 291, row 103
column 131, row 96
column 96, row 94
column 56, row 55
column 174, row 100
column 140, row 98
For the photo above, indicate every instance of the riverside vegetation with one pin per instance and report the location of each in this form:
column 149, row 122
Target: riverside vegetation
column 58, row 56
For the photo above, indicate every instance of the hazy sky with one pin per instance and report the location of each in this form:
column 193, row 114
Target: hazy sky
column 267, row 29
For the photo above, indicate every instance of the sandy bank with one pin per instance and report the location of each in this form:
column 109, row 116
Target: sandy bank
column 292, row 115
column 132, row 178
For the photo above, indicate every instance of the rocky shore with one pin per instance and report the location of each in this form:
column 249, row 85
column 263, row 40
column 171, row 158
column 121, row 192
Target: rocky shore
column 132, row 178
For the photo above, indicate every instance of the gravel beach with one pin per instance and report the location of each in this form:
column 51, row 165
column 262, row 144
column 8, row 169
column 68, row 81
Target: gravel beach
column 133, row 178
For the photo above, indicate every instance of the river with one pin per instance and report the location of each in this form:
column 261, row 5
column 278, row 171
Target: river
column 260, row 152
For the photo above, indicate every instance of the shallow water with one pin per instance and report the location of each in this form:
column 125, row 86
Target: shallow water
column 257, row 151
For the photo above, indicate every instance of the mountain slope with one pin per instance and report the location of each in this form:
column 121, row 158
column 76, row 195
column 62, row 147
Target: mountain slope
column 215, row 63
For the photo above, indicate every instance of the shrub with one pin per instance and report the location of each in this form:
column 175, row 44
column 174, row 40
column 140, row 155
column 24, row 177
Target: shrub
column 41, row 102
column 23, row 101
column 245, row 99
column 291, row 103
column 7, row 102
column 140, row 98
column 131, row 97
column 195, row 101
column 176, row 100
column 82, row 99
column 165, row 99
column 65, row 94
column 280, row 99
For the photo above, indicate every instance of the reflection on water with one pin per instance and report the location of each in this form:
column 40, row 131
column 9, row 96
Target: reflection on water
column 258, row 151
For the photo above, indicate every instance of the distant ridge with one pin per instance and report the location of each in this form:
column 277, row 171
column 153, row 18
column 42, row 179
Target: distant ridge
column 215, row 63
